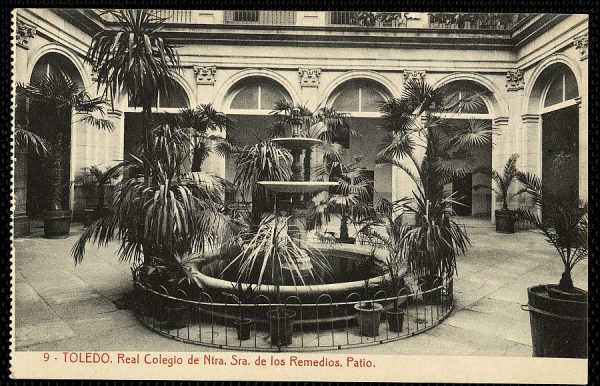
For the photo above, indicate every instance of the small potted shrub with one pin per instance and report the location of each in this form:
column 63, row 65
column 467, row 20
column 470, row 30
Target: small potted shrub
column 558, row 312
column 505, row 218
column 244, row 293
column 368, row 313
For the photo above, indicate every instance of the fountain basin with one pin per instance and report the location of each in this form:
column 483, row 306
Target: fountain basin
column 297, row 186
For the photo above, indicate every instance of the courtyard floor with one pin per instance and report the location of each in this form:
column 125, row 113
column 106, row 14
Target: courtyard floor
column 60, row 306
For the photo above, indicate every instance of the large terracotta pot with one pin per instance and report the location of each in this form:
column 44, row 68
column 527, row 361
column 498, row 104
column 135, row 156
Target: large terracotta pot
column 558, row 323
column 57, row 224
column 505, row 221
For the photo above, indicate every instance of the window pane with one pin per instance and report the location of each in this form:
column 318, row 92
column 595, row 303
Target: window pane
column 370, row 100
column 347, row 100
column 571, row 90
column 269, row 94
column 174, row 98
column 555, row 92
column 246, row 98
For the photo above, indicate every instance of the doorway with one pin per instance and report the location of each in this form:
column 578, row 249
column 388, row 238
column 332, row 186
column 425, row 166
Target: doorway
column 560, row 153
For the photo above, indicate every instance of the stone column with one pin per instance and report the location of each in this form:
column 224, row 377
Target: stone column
column 205, row 84
column 581, row 44
column 503, row 147
column 530, row 150
column 21, row 227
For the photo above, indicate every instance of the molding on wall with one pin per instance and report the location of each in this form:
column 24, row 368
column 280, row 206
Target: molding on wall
column 206, row 75
column 309, row 77
column 515, row 80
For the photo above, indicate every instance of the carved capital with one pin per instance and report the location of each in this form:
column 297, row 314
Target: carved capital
column 581, row 44
column 414, row 74
column 309, row 77
column 205, row 74
column 24, row 33
column 515, row 80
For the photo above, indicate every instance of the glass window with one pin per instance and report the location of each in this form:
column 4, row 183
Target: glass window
column 370, row 99
column 174, row 98
column 554, row 95
column 347, row 100
column 461, row 91
column 258, row 94
column 562, row 88
column 571, row 90
column 269, row 94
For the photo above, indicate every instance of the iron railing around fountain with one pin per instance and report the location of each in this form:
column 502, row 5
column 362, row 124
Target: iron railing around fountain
column 325, row 323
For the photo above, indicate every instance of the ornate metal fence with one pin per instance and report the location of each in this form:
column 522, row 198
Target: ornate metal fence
column 326, row 322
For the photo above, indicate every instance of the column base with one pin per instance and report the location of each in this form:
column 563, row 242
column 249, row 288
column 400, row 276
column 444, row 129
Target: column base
column 22, row 226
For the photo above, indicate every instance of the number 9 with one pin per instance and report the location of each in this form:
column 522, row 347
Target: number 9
column 46, row 357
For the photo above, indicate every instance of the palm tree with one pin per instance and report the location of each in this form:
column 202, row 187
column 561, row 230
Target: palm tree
column 134, row 58
column 263, row 161
column 170, row 217
column 422, row 117
column 61, row 96
column 201, row 122
column 564, row 223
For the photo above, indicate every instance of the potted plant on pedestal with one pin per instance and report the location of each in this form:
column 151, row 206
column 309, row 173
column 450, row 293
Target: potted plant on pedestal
column 62, row 99
column 558, row 312
column 505, row 218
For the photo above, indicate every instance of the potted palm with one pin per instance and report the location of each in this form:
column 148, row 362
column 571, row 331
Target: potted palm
column 62, row 98
column 422, row 117
column 168, row 217
column 558, row 312
column 388, row 218
column 98, row 180
column 271, row 252
column 505, row 218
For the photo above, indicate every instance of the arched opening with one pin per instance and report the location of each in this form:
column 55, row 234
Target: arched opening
column 250, row 103
column 171, row 101
column 560, row 132
column 44, row 121
column 360, row 99
column 472, row 190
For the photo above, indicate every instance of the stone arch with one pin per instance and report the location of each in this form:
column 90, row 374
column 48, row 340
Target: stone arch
column 223, row 95
column 536, row 87
column 496, row 103
column 388, row 85
column 76, row 60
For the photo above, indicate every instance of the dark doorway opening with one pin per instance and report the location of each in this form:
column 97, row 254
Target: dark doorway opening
column 463, row 188
column 560, row 154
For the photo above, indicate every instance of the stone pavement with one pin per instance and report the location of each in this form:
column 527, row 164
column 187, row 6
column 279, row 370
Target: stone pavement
column 60, row 306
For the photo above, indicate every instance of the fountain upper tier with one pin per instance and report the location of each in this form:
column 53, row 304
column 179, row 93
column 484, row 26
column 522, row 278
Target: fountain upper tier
column 297, row 143
column 297, row 186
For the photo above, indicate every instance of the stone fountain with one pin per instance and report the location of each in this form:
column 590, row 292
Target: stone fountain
column 292, row 197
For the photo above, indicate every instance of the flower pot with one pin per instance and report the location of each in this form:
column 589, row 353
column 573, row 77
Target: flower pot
column 505, row 221
column 431, row 289
column 558, row 326
column 57, row 224
column 88, row 216
column 347, row 240
column 281, row 326
column 242, row 327
column 174, row 316
column 369, row 316
column 395, row 320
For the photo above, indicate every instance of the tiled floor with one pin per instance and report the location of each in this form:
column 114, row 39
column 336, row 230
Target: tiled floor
column 60, row 306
